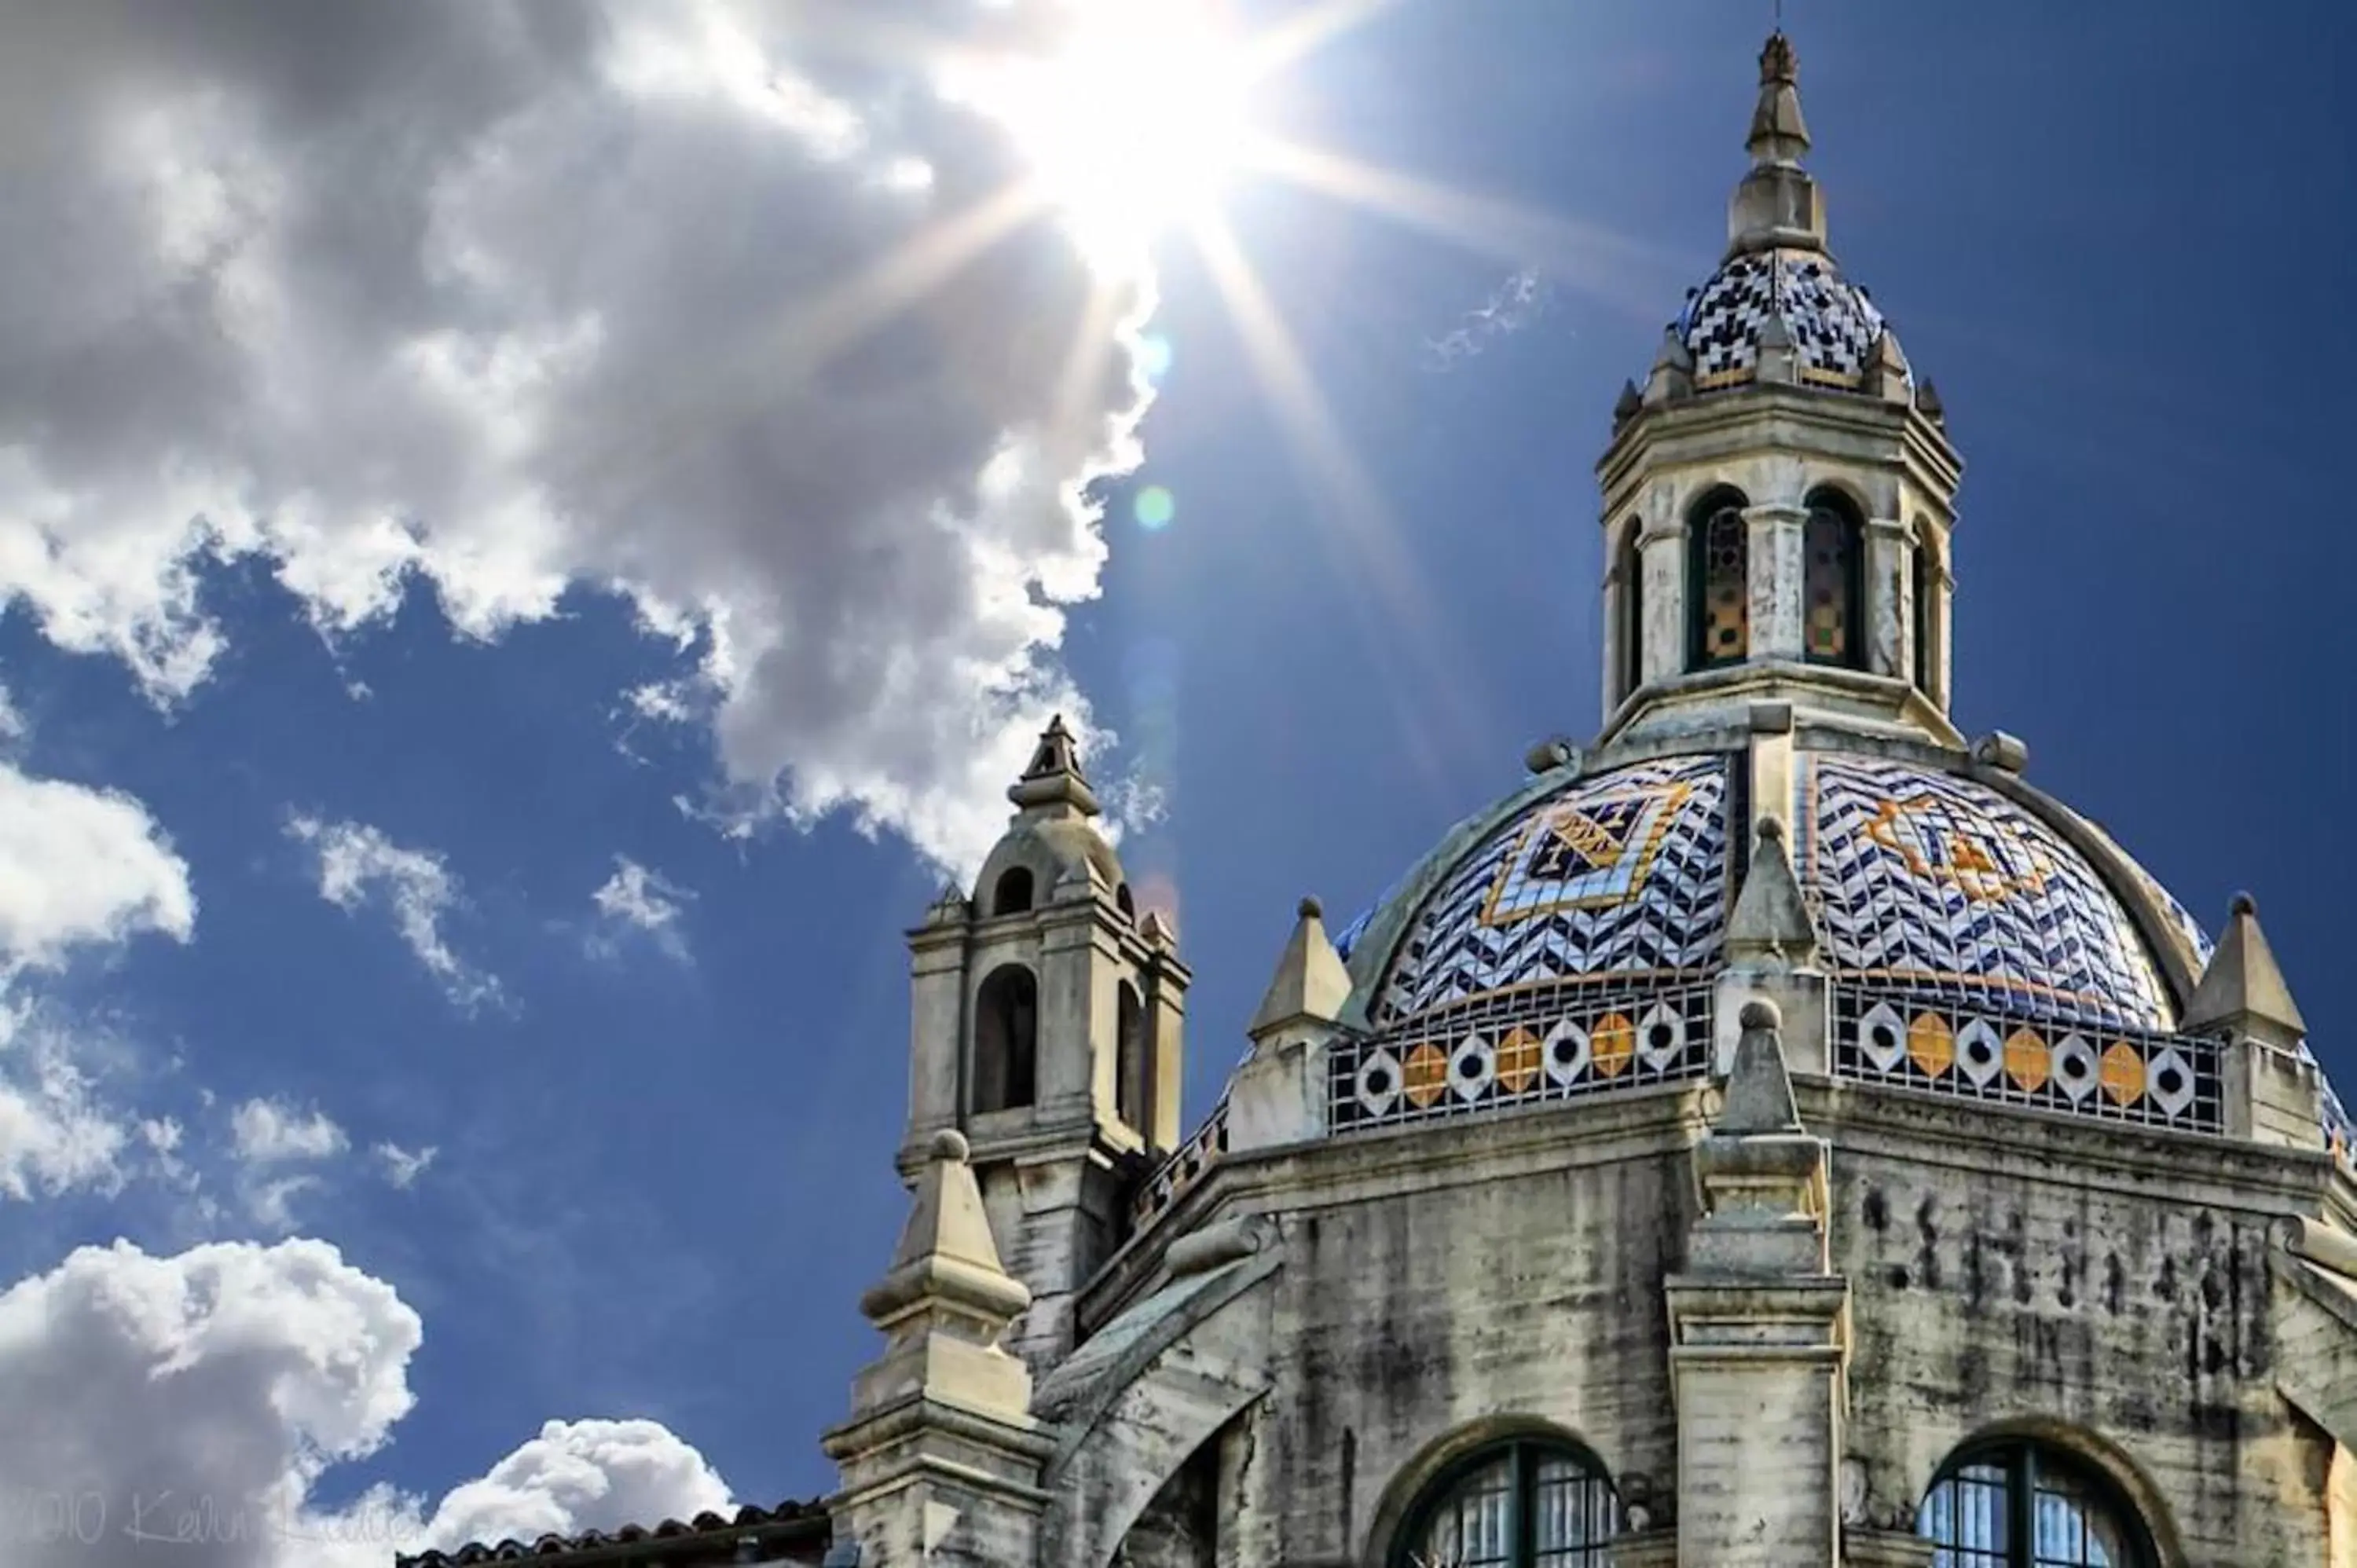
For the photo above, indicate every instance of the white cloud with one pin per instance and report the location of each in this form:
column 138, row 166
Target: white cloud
column 636, row 298
column 194, row 1400
column 81, row 866
column 190, row 1404
column 642, row 900
column 57, row 1132
column 1514, row 304
column 358, row 866
column 271, row 1131
column 578, row 1476
column 402, row 1166
column 266, row 1136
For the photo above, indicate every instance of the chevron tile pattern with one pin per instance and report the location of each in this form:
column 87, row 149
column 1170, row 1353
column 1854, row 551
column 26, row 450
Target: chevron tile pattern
column 1920, row 878
column 1624, row 874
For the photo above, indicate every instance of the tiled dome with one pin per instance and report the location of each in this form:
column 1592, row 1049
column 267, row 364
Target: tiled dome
column 1973, row 946
column 1832, row 324
column 1917, row 880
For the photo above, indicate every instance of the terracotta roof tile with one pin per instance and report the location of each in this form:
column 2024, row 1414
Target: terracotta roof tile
column 708, row 1538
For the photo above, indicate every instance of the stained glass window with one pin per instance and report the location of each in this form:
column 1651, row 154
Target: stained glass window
column 1720, row 576
column 2029, row 1506
column 1832, row 577
column 1523, row 1505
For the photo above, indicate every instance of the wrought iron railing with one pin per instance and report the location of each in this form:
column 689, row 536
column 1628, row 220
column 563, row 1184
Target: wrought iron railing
column 1949, row 1041
column 1185, row 1167
column 1519, row 1048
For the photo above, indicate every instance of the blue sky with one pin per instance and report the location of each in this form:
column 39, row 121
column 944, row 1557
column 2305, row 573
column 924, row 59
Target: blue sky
column 334, row 902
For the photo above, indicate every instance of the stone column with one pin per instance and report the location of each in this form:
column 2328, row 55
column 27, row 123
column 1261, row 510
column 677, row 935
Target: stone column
column 1759, row 1333
column 1889, row 568
column 1662, row 549
column 1778, row 580
column 941, row 1460
column 937, row 1026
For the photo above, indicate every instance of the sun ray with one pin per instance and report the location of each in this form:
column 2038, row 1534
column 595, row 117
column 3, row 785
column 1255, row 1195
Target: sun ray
column 1304, row 35
column 1367, row 551
column 1623, row 273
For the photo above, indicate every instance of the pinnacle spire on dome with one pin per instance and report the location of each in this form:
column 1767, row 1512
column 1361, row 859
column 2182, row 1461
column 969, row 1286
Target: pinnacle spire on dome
column 1777, row 205
column 1779, row 134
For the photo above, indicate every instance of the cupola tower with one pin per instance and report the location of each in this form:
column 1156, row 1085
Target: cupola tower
column 1764, row 540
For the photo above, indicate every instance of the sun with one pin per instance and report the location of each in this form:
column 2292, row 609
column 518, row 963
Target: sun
column 1135, row 125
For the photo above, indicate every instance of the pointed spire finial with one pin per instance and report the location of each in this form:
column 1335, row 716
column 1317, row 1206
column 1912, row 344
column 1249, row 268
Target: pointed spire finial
column 1771, row 919
column 2242, row 990
column 1311, row 984
column 1779, row 134
column 1759, row 1086
column 1054, row 777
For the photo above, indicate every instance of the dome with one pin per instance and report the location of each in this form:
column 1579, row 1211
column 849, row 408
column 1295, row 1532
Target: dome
column 1976, row 939
column 1833, row 326
column 1915, row 879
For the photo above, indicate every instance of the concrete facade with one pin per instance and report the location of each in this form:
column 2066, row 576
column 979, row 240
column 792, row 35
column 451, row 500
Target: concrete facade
column 1891, row 1231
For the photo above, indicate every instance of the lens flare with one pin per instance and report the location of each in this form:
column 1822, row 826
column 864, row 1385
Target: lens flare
column 1154, row 508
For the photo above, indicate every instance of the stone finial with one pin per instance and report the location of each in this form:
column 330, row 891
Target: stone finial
column 946, row 1255
column 1759, row 1087
column 1549, row 755
column 1671, row 377
column 1778, row 135
column 2006, row 753
column 1928, row 404
column 1628, row 405
column 1311, row 984
column 1053, row 783
column 2242, row 990
column 1777, row 204
column 1771, row 919
column 1886, row 372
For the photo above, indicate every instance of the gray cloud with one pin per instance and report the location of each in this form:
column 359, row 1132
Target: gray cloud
column 515, row 296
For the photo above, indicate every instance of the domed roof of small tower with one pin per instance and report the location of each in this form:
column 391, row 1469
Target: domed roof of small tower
column 1053, row 834
column 1779, row 297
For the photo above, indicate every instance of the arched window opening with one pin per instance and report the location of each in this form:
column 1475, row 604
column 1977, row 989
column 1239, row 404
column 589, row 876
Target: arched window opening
column 1833, row 582
column 2029, row 1505
column 1130, row 1060
column 1006, row 1039
column 1718, row 579
column 1631, row 567
column 1126, row 900
column 1924, row 577
column 1013, row 894
column 1524, row 1504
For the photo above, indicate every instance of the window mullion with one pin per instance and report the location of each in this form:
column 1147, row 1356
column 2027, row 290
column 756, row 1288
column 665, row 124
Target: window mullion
column 2024, row 1471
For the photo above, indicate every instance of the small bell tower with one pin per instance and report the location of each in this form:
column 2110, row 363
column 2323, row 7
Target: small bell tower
column 1045, row 1024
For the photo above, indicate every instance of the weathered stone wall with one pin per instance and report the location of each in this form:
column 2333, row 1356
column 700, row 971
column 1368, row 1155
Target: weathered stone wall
column 1507, row 1289
column 1997, row 1281
column 2093, row 1285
